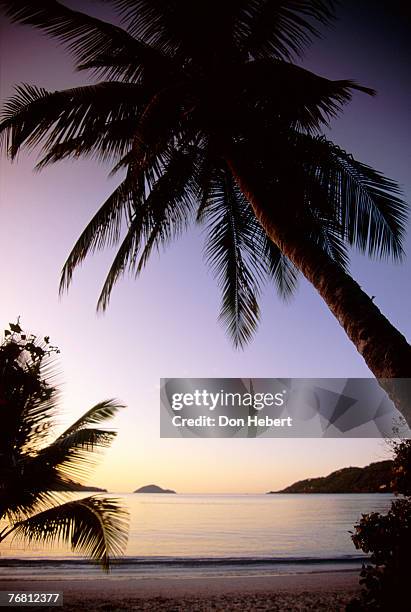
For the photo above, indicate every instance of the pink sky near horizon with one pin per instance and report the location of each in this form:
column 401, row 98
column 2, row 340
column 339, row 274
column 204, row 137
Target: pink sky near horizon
column 165, row 323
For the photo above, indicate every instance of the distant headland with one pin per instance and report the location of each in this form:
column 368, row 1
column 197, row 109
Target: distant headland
column 374, row 478
column 85, row 488
column 153, row 489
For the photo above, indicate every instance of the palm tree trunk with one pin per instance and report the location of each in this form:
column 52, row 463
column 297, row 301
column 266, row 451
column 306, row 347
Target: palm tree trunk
column 384, row 349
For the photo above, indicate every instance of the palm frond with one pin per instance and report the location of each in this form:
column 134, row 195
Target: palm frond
column 164, row 213
column 182, row 29
column 170, row 202
column 283, row 29
column 151, row 22
column 17, row 503
column 365, row 204
column 96, row 527
column 326, row 234
column 137, row 228
column 279, row 268
column 104, row 143
column 125, row 256
column 285, row 94
column 62, row 466
column 87, row 37
column 66, row 465
column 230, row 251
column 87, row 439
column 96, row 415
column 261, row 28
column 230, row 224
column 105, row 227
column 120, row 67
column 80, row 114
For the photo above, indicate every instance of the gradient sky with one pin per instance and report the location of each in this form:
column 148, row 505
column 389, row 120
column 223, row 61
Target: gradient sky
column 165, row 324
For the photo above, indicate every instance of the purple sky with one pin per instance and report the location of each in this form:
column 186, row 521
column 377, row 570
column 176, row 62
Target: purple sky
column 165, row 323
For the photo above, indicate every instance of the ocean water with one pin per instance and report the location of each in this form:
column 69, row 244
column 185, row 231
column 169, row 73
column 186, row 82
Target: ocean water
column 205, row 530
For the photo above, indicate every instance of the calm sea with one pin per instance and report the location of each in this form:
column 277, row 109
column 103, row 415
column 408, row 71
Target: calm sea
column 207, row 530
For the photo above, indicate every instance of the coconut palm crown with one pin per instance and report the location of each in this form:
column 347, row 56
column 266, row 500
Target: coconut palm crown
column 38, row 470
column 201, row 112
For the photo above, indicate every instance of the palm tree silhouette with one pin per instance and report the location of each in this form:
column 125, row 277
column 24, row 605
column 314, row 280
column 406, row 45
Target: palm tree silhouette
column 37, row 471
column 203, row 114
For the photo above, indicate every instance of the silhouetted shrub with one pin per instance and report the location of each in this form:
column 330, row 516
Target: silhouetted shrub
column 402, row 468
column 387, row 538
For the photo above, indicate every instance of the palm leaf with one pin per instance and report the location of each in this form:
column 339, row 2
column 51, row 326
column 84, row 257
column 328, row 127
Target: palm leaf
column 105, row 227
column 63, row 464
column 127, row 252
column 365, row 204
column 97, row 414
column 149, row 21
column 326, row 234
column 170, row 202
column 163, row 214
column 339, row 201
column 87, row 37
column 83, row 114
column 238, row 250
column 181, row 29
column 103, row 143
column 194, row 30
column 96, row 527
column 74, row 451
column 279, row 268
column 283, row 28
column 229, row 250
column 284, row 95
column 125, row 256
column 17, row 504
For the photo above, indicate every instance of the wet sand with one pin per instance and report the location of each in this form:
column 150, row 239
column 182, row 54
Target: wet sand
column 311, row 591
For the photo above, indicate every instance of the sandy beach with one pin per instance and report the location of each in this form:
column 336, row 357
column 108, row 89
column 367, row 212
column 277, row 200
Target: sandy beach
column 311, row 591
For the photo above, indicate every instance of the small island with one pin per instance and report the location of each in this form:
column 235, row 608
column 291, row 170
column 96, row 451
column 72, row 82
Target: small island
column 373, row 478
column 153, row 489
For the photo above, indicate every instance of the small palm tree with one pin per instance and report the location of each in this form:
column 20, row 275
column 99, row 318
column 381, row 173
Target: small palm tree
column 205, row 116
column 37, row 471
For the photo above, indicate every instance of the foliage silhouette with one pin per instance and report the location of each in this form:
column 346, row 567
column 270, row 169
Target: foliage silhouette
column 388, row 538
column 37, row 470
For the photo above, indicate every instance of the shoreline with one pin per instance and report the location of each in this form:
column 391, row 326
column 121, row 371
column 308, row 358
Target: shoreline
column 163, row 567
column 183, row 560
